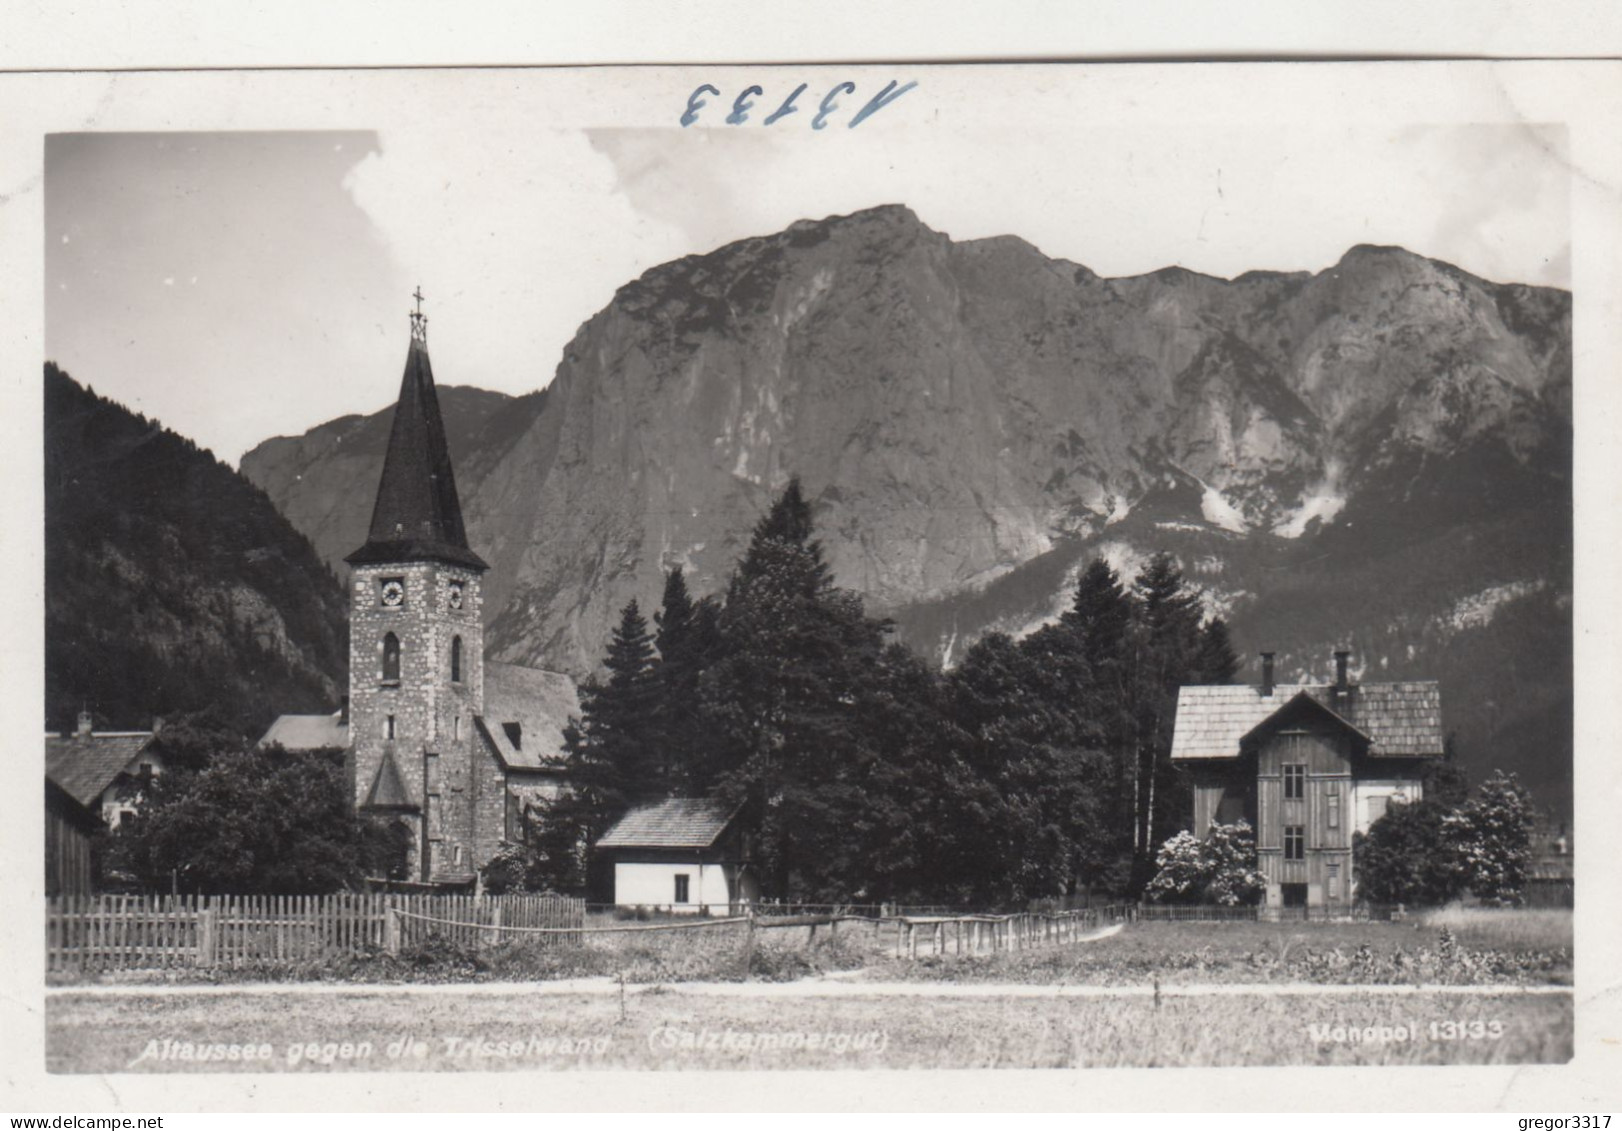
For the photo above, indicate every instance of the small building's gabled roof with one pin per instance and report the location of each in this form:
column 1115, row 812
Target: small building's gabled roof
column 1400, row 720
column 86, row 764
column 388, row 790
column 418, row 515
column 539, row 702
column 308, row 732
column 677, row 822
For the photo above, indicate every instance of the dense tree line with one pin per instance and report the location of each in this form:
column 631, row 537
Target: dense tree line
column 1036, row 768
column 224, row 818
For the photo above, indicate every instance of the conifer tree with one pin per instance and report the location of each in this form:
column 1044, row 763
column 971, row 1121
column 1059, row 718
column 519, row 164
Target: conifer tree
column 782, row 699
column 1102, row 617
column 1215, row 660
column 688, row 640
column 611, row 757
column 1167, row 647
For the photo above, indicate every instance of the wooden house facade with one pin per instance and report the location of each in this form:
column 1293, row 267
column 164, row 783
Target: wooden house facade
column 1307, row 766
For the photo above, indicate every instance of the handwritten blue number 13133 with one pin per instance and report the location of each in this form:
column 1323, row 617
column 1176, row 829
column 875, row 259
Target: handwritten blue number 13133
column 742, row 104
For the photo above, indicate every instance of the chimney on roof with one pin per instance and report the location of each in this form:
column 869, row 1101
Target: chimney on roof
column 84, row 724
column 1341, row 684
column 157, row 724
column 1267, row 673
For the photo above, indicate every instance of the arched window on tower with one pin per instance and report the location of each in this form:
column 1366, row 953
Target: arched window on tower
column 391, row 658
column 456, row 659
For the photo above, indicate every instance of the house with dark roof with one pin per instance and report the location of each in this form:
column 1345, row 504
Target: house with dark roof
column 687, row 854
column 1307, row 766
column 102, row 770
column 448, row 744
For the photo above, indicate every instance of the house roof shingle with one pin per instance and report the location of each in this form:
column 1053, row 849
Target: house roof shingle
column 540, row 702
column 1401, row 720
column 85, row 765
column 677, row 822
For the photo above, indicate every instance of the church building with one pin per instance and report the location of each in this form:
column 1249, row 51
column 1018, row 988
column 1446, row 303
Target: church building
column 443, row 740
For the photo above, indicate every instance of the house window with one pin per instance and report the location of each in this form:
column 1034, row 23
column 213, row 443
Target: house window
column 681, row 888
column 1334, row 881
column 1295, row 782
column 388, row 727
column 1295, row 842
column 391, row 658
column 456, row 728
column 456, row 659
column 1334, row 806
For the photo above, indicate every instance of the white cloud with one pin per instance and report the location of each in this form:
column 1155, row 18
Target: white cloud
column 517, row 238
column 515, row 241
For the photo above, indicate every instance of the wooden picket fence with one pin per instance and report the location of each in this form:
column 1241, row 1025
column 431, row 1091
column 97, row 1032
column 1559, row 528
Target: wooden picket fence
column 116, row 932
column 995, row 934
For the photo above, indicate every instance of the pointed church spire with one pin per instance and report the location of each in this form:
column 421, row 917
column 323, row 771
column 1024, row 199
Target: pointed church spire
column 418, row 514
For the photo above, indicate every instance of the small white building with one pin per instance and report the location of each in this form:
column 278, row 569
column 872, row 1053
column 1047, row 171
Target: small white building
column 686, row 854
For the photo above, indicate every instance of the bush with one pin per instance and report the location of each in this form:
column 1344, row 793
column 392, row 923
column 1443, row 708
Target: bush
column 1220, row 869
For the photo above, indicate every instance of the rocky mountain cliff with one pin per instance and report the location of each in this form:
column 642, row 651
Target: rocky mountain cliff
column 172, row 584
column 1377, row 454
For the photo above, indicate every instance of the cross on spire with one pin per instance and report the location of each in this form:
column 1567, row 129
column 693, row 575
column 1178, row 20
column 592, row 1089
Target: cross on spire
column 419, row 320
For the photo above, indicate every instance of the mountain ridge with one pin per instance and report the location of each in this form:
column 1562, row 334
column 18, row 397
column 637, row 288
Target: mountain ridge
column 960, row 411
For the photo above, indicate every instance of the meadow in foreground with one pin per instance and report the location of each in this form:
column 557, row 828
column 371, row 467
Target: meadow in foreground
column 1499, row 947
column 655, row 1029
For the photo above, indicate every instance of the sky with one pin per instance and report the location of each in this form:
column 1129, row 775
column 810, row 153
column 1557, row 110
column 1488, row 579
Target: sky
column 237, row 286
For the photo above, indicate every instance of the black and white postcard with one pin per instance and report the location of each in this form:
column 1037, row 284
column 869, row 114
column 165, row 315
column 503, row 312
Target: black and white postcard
column 591, row 575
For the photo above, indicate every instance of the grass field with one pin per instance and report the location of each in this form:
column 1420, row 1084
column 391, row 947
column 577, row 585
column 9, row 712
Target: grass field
column 1112, row 1017
column 1489, row 947
column 1450, row 947
column 652, row 1029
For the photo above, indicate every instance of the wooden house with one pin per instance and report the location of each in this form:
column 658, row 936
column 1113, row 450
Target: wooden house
column 684, row 853
column 1307, row 766
column 103, row 770
column 70, row 826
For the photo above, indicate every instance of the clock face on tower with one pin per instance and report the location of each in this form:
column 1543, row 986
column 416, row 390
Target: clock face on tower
column 454, row 596
column 392, row 592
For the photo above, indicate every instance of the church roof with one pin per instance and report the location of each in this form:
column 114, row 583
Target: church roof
column 525, row 711
column 308, row 732
column 388, row 788
column 676, row 822
column 84, row 765
column 1399, row 720
column 418, row 514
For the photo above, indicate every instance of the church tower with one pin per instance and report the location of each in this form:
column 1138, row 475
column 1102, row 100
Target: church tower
column 416, row 642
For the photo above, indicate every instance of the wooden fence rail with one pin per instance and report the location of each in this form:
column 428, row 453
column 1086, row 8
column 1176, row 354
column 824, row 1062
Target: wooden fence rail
column 994, row 934
column 114, row 932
